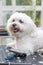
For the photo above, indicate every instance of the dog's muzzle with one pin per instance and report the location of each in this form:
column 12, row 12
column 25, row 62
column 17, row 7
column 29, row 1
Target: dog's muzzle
column 15, row 28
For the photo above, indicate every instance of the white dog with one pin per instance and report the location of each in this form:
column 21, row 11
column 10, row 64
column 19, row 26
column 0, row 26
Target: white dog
column 27, row 37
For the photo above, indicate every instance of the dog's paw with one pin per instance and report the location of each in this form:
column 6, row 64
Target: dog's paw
column 9, row 46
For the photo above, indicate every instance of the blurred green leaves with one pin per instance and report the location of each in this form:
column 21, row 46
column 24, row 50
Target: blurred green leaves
column 27, row 2
column 38, row 16
column 8, row 2
column 38, row 2
column 23, row 2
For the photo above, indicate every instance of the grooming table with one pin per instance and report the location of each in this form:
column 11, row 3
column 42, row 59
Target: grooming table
column 35, row 59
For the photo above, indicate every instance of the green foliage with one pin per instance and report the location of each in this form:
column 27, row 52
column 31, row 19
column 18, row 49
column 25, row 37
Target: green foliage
column 38, row 13
column 27, row 2
column 8, row 2
column 24, row 2
column 38, row 2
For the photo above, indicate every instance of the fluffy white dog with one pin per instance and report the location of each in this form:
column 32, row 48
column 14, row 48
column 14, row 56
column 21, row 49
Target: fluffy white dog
column 27, row 37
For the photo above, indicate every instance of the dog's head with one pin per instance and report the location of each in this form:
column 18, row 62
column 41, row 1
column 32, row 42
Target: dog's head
column 20, row 24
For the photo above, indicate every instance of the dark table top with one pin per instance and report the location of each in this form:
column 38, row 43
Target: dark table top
column 35, row 59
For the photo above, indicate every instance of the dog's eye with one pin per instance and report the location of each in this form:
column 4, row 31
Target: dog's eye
column 20, row 21
column 13, row 20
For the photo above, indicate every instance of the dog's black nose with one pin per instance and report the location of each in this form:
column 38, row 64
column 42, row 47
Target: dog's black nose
column 14, row 25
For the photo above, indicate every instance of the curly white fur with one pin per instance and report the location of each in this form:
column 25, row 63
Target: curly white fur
column 27, row 37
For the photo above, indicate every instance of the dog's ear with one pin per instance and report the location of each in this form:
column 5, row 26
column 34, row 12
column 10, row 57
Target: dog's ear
column 32, row 29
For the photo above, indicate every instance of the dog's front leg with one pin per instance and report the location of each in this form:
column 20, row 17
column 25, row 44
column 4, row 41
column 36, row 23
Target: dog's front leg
column 12, row 45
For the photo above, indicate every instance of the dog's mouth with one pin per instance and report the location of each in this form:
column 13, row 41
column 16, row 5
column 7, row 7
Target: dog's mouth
column 16, row 30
